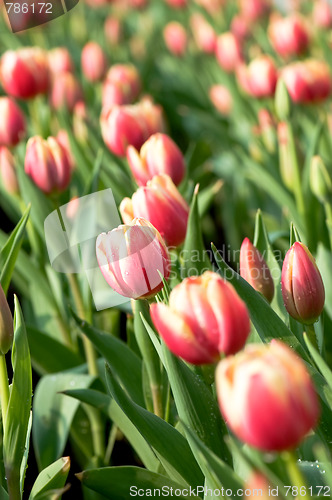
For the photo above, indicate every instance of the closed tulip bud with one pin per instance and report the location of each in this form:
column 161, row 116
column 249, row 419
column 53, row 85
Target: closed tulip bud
column 266, row 396
column 66, row 92
column 112, row 30
column 282, row 101
column 261, row 77
column 307, row 81
column 93, row 62
column 204, row 319
column 302, row 285
column 289, row 35
column 177, row 4
column 122, row 85
column 203, row 33
column 12, row 124
column 254, row 269
column 322, row 14
column 228, row 52
column 6, row 324
column 8, row 171
column 80, row 122
column 122, row 127
column 133, row 258
column 47, row 163
column 254, row 9
column 221, row 99
column 257, row 482
column 151, row 114
column 60, row 61
column 240, row 27
column 175, row 37
column 158, row 155
column 25, row 72
column 160, row 203
column 320, row 180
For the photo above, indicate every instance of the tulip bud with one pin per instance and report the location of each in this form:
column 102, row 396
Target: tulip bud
column 66, row 92
column 254, row 9
column 80, row 119
column 158, row 155
column 60, row 61
column 282, row 101
column 307, row 81
column 63, row 140
column 6, row 324
column 120, row 127
column 267, row 397
column 47, row 163
column 7, row 170
column 322, row 14
column 203, row 33
column 112, row 30
column 289, row 35
column 93, row 61
column 12, row 124
column 320, row 180
column 175, row 37
column 132, row 259
column 257, row 482
column 177, row 4
column 261, row 77
column 25, row 72
column 221, row 99
column 240, row 27
column 160, row 203
column 205, row 318
column 122, row 85
column 302, row 285
column 254, row 269
column 228, row 52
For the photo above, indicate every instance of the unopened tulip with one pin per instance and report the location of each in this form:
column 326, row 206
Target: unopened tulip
column 112, row 30
column 80, row 121
column 289, row 35
column 254, row 9
column 122, row 85
column 257, row 482
column 93, row 62
column 158, row 155
column 261, row 77
column 302, row 285
column 66, row 92
column 8, row 171
column 6, row 324
column 161, row 204
column 221, row 98
column 60, row 61
column 240, row 27
column 203, row 33
column 133, row 258
column 177, row 4
column 307, row 81
column 254, row 269
column 152, row 114
column 322, row 14
column 205, row 318
column 47, row 163
column 228, row 52
column 12, row 124
column 25, row 72
column 267, row 397
column 175, row 37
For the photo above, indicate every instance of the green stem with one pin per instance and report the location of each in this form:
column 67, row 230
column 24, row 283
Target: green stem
column 295, row 475
column 33, row 239
column 310, row 329
column 4, row 388
column 110, row 445
column 91, row 358
column 328, row 213
column 297, row 186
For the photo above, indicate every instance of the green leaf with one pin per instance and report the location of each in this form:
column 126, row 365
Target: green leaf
column 322, row 366
column 216, row 471
column 294, row 235
column 10, row 251
column 48, row 355
column 314, row 473
column 207, row 195
column 324, row 263
column 53, row 414
column 124, row 362
column 194, row 254
column 195, row 404
column 267, row 323
column 53, row 477
column 181, row 465
column 120, row 483
column 19, row 405
column 3, row 494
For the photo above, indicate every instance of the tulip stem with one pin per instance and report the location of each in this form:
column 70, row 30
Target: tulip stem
column 328, row 214
column 310, row 329
column 295, row 475
column 4, row 388
column 30, row 230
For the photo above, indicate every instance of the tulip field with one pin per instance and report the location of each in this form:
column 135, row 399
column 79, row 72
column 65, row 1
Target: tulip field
column 165, row 249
